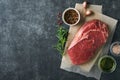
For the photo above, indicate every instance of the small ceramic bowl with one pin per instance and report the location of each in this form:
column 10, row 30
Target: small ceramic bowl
column 115, row 48
column 71, row 16
column 107, row 64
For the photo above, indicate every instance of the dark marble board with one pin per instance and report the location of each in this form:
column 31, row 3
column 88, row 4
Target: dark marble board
column 27, row 34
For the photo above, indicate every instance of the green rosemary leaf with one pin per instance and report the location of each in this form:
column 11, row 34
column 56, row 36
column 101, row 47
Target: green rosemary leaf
column 61, row 35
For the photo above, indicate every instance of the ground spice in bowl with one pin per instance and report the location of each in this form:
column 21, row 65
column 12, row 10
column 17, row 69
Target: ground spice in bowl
column 71, row 16
column 115, row 48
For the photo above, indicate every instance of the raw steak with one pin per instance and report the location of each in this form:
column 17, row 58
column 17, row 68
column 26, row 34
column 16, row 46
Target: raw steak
column 89, row 38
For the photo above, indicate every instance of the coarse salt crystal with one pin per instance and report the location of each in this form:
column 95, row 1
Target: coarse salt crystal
column 116, row 49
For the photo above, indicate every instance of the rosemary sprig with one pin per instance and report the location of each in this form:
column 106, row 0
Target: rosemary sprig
column 61, row 35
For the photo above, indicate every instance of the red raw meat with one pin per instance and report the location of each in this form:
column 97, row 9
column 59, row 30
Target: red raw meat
column 89, row 38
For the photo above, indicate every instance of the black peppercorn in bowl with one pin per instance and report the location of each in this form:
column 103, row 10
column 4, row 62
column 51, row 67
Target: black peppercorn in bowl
column 71, row 16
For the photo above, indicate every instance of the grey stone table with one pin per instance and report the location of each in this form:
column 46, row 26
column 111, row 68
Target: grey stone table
column 27, row 32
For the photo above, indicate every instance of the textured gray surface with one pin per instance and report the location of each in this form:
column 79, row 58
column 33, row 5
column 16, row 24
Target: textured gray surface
column 27, row 32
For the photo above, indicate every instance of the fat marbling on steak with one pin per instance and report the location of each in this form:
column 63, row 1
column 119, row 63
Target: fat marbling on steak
column 89, row 38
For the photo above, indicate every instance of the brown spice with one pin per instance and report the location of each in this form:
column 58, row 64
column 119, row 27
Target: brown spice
column 71, row 16
column 116, row 49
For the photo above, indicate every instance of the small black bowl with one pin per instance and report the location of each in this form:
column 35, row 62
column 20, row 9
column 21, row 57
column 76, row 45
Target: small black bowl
column 111, row 47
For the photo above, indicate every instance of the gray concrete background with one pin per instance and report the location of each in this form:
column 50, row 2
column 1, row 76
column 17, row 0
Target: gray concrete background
column 27, row 32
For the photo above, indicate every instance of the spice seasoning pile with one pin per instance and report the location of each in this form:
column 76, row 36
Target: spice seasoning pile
column 71, row 16
column 116, row 49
